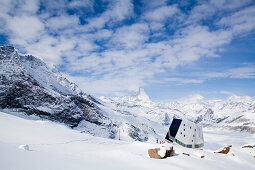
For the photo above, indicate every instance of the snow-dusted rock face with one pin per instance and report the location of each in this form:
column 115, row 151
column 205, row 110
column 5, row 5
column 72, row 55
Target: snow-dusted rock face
column 28, row 85
column 140, row 95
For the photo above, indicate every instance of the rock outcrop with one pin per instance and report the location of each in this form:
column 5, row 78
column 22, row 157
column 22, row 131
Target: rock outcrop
column 161, row 153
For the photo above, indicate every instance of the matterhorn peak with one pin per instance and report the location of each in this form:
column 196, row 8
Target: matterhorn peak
column 141, row 95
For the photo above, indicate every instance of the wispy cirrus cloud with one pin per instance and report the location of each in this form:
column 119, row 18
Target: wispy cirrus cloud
column 130, row 37
column 185, row 80
column 227, row 93
column 240, row 22
column 209, row 9
column 246, row 71
column 162, row 13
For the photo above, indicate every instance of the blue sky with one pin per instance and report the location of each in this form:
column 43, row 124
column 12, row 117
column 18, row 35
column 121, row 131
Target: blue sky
column 172, row 49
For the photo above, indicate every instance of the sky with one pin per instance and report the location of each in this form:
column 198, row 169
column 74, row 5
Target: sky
column 172, row 48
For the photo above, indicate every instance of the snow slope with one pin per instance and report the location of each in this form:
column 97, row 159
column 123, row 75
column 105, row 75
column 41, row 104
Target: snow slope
column 54, row 146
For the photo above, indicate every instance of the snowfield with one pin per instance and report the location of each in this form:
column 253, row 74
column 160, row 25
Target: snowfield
column 39, row 144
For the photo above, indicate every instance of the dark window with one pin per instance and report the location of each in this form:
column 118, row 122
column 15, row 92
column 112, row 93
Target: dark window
column 192, row 140
column 183, row 129
column 195, row 129
column 183, row 124
column 193, row 135
column 181, row 132
column 173, row 128
column 184, row 135
column 190, row 127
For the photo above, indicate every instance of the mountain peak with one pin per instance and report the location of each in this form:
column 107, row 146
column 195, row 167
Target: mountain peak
column 8, row 52
column 141, row 95
column 8, row 49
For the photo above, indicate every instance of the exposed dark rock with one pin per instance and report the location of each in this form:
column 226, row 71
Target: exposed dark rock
column 199, row 119
column 208, row 116
column 248, row 129
column 137, row 134
column 218, row 120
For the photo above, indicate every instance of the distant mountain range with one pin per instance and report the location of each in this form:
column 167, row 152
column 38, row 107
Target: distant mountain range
column 235, row 113
column 28, row 86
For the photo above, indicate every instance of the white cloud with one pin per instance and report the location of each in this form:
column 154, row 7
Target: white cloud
column 81, row 3
column 156, row 26
column 189, row 45
column 208, row 9
column 162, row 13
column 185, row 81
column 102, row 34
column 129, row 80
column 158, row 18
column 215, row 75
column 29, row 6
column 20, row 7
column 244, row 72
column 118, row 11
column 130, row 36
column 63, row 21
column 148, row 4
column 227, row 93
column 229, row 4
column 200, row 36
column 50, row 49
column 24, row 28
column 240, row 22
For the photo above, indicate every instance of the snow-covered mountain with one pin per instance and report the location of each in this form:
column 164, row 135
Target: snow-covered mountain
column 29, row 86
column 236, row 112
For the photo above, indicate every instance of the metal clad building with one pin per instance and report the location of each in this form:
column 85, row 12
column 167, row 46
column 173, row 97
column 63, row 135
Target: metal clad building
column 185, row 133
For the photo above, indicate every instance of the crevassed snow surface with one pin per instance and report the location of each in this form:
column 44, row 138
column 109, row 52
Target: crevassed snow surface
column 54, row 146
